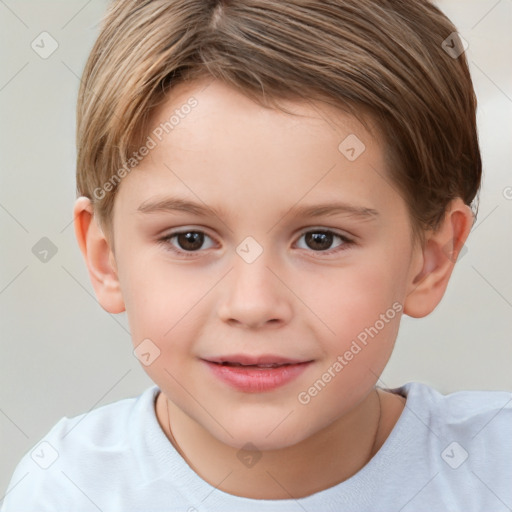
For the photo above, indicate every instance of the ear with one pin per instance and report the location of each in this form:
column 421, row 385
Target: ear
column 435, row 262
column 98, row 256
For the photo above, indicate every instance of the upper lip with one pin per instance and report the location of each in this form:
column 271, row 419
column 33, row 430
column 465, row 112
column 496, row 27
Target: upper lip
column 254, row 360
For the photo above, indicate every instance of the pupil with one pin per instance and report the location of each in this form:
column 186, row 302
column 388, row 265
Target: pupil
column 190, row 241
column 324, row 240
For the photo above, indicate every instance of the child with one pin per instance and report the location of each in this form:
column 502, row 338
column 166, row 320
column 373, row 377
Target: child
column 265, row 188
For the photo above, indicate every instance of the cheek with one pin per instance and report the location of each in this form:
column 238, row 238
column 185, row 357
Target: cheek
column 163, row 300
column 360, row 305
column 348, row 300
column 147, row 296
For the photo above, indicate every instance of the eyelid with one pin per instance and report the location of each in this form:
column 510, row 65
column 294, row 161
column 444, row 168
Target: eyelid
column 326, row 229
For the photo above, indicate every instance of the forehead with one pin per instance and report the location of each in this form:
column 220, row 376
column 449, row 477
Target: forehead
column 214, row 145
column 212, row 109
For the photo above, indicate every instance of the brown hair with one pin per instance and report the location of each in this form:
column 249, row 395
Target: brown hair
column 385, row 58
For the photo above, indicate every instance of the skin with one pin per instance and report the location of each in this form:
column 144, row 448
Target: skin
column 254, row 165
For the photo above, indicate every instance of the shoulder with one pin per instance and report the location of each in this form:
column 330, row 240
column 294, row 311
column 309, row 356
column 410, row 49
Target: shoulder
column 458, row 448
column 467, row 410
column 68, row 458
column 104, row 428
column 468, row 431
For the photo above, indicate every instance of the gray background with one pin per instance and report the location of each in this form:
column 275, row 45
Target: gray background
column 62, row 354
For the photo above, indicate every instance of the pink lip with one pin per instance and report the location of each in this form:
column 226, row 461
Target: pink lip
column 254, row 360
column 252, row 379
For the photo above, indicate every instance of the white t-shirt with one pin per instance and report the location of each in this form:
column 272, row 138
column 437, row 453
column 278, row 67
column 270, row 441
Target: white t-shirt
column 445, row 453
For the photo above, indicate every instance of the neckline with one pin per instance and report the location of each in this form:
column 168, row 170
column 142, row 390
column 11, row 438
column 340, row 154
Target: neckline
column 363, row 483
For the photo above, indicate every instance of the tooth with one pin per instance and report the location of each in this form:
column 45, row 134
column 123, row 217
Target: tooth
column 268, row 365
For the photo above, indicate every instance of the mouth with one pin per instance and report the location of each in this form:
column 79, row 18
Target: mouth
column 262, row 361
column 256, row 374
column 263, row 366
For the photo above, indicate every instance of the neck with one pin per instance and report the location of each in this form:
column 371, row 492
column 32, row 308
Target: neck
column 321, row 461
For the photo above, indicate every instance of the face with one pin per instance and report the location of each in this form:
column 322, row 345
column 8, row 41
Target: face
column 263, row 260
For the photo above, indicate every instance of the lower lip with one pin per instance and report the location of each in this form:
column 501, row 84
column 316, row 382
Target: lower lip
column 257, row 380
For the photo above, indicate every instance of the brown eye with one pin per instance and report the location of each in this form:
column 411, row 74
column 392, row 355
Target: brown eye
column 186, row 243
column 319, row 241
column 322, row 241
column 190, row 241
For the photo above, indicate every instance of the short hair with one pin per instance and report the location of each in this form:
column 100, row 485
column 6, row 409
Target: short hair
column 386, row 59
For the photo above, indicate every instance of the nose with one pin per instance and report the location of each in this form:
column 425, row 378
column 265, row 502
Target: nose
column 254, row 296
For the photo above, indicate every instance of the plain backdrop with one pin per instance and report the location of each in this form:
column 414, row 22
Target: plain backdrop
column 62, row 354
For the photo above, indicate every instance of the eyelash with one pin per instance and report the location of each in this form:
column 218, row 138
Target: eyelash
column 166, row 241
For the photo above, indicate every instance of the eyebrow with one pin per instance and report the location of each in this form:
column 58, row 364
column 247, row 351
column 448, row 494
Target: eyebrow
column 172, row 204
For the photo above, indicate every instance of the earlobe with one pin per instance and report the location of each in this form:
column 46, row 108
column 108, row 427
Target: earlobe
column 98, row 257
column 436, row 260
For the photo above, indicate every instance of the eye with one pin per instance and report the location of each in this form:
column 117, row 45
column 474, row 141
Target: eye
column 186, row 242
column 320, row 240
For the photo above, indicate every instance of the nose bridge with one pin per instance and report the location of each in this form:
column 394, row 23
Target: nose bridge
column 254, row 295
